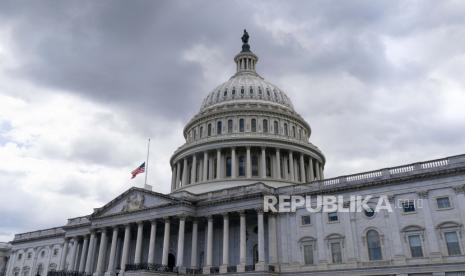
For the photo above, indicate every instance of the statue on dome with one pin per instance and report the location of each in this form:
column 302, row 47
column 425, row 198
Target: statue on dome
column 245, row 41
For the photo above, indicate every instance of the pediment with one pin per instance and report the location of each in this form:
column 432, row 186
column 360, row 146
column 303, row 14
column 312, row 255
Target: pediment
column 134, row 199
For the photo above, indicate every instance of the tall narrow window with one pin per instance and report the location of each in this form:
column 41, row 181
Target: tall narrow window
column 195, row 134
column 268, row 166
column 452, row 241
column 228, row 166
column 219, row 126
column 336, row 252
column 209, row 130
column 241, row 125
column 254, row 165
column 374, row 246
column 276, row 127
column 230, row 126
column 214, row 167
column 201, row 131
column 294, row 132
column 241, row 166
column 254, row 125
column 265, row 126
column 414, row 242
column 286, row 132
column 308, row 254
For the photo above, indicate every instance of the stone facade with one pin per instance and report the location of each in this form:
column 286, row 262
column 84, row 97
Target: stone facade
column 247, row 142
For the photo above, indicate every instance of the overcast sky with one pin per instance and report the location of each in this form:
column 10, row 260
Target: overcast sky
column 84, row 83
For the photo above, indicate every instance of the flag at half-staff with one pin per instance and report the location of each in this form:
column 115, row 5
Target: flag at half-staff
column 138, row 170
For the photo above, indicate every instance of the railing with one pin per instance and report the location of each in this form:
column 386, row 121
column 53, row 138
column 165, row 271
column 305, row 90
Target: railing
column 231, row 268
column 250, row 268
column 40, row 233
column 148, row 267
column 193, row 271
column 214, row 269
column 67, row 273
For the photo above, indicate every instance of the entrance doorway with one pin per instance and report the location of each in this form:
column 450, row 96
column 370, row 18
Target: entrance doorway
column 171, row 261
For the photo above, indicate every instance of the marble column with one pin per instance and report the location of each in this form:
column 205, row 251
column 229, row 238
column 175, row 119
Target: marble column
column 242, row 243
column 125, row 253
column 82, row 261
column 205, row 166
column 184, row 172
column 63, row 255
column 248, row 163
column 233, row 163
column 302, row 168
column 291, row 166
column 272, row 238
column 111, row 262
column 180, row 251
column 278, row 164
column 435, row 253
column 394, row 231
column 178, row 174
column 321, row 248
column 322, row 176
column 166, row 242
column 218, row 163
column 73, row 254
column 194, row 243
column 310, row 169
column 153, row 237
column 90, row 253
column 194, row 169
column 460, row 197
column 140, row 233
column 209, row 259
column 263, row 163
column 260, row 266
column 173, row 178
column 225, row 263
column 101, row 252
column 317, row 166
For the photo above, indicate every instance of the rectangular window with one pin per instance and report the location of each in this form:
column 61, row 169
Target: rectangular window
column 443, row 202
column 415, row 246
column 308, row 254
column 452, row 241
column 332, row 217
column 230, row 126
column 241, row 125
column 305, row 220
column 408, row 206
column 336, row 253
column 20, row 256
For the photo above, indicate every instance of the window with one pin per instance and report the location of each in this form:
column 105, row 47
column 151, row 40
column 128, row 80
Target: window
column 195, row 134
column 230, row 126
column 294, row 132
column 228, row 166
column 305, row 220
column 308, row 254
column 241, row 166
column 276, row 127
column 268, row 166
column 414, row 242
column 55, row 252
column 452, row 242
column 286, row 132
column 336, row 252
column 443, row 202
column 42, row 254
column 254, row 125
column 254, row 165
column 370, row 212
column 29, row 255
column 219, row 125
column 214, row 170
column 209, row 130
column 332, row 217
column 241, row 125
column 374, row 245
column 201, row 131
column 265, row 126
column 20, row 256
column 408, row 206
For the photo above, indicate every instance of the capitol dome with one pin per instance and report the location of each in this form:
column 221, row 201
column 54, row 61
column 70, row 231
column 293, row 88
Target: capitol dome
column 246, row 131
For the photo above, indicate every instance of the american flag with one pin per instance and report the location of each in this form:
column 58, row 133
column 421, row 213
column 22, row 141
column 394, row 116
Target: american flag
column 138, row 170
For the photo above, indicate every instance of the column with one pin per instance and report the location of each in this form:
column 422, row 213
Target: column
column 178, row 174
column 225, row 263
column 82, row 263
column 111, row 262
column 310, row 169
column 321, row 172
column 460, row 196
column 218, row 164
column 194, row 243
column 180, row 251
column 173, row 178
column 63, row 255
column 208, row 262
column 233, row 163
column 278, row 164
column 125, row 254
column 140, row 233
column 11, row 263
column 317, row 166
column 291, row 166
column 166, row 242
column 302, row 168
column 101, row 252
column 73, row 255
column 205, row 166
column 260, row 266
column 184, row 173
column 50, row 250
column 321, row 248
column 394, row 230
column 263, row 163
column 272, row 238
column 242, row 243
column 435, row 253
column 194, row 169
column 249, row 163
column 153, row 236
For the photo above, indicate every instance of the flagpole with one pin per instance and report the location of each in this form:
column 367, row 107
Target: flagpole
column 147, row 163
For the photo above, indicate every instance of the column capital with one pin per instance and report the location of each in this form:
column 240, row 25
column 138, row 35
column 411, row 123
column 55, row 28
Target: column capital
column 391, row 198
column 210, row 217
column 423, row 194
column 167, row 219
column 242, row 213
column 139, row 222
column 153, row 221
column 181, row 216
column 459, row 189
column 259, row 210
column 225, row 215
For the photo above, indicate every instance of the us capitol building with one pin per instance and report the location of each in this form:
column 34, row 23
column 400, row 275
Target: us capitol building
column 246, row 142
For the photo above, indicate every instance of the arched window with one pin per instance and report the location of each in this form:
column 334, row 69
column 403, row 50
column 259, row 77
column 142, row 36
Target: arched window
column 228, row 166
column 225, row 93
column 241, row 125
column 241, row 166
column 286, row 132
column 195, row 134
column 209, row 130
column 201, row 131
column 265, row 126
column 254, row 165
column 374, row 246
column 230, row 126
column 254, row 125
column 251, row 91
column 233, row 92
column 219, row 126
column 276, row 127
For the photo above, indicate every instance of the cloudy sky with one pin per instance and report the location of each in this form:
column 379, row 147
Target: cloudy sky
column 84, row 83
